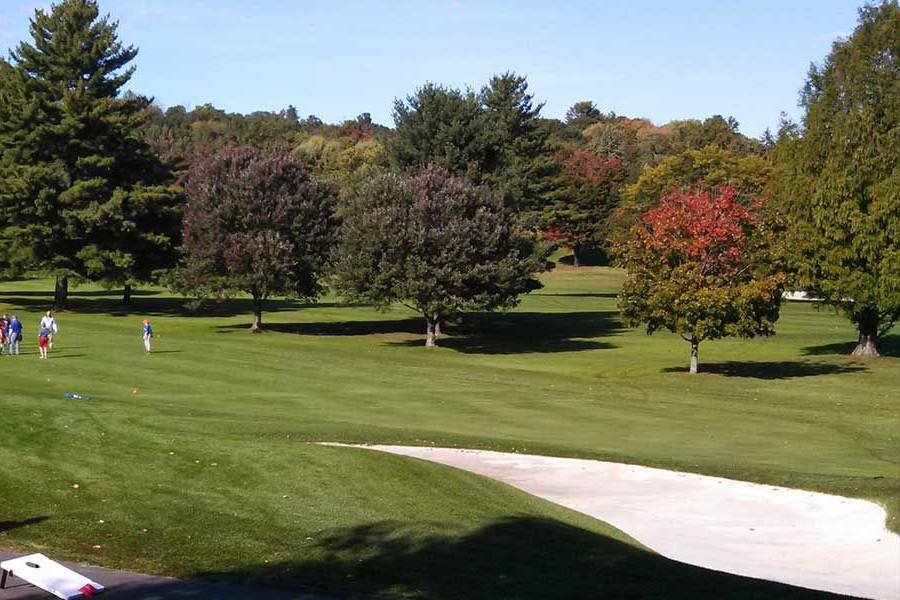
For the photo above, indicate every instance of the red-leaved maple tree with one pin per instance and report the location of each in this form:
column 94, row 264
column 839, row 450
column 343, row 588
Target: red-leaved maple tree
column 700, row 265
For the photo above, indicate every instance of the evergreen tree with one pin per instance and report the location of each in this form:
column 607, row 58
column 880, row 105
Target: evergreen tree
column 520, row 163
column 588, row 193
column 838, row 177
column 440, row 126
column 583, row 113
column 84, row 196
column 495, row 138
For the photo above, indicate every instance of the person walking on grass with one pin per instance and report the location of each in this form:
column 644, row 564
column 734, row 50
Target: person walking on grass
column 49, row 322
column 14, row 334
column 147, row 334
column 4, row 333
column 44, row 341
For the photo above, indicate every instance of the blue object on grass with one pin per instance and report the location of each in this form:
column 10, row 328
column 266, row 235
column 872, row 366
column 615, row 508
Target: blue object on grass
column 76, row 396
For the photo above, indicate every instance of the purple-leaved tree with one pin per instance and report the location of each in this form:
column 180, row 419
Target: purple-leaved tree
column 255, row 223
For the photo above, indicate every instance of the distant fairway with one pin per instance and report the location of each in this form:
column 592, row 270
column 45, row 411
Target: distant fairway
column 195, row 461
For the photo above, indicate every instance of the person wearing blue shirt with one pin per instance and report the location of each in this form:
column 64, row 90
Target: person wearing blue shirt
column 147, row 334
column 14, row 334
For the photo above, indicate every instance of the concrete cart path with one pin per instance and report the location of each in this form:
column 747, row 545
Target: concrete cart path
column 122, row 585
column 812, row 540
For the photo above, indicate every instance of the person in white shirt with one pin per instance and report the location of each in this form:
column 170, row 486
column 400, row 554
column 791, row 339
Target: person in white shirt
column 49, row 323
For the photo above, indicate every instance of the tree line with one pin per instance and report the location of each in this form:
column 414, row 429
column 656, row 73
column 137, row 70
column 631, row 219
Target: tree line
column 458, row 206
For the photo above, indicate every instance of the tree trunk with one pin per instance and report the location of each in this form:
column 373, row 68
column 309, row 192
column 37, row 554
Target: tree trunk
column 256, row 326
column 430, row 326
column 695, row 355
column 867, row 345
column 126, row 294
column 576, row 258
column 61, row 293
column 437, row 328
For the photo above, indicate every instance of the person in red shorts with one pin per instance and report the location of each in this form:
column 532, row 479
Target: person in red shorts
column 44, row 341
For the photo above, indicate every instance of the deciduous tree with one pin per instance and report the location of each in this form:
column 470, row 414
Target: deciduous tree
column 435, row 243
column 699, row 265
column 707, row 167
column 255, row 223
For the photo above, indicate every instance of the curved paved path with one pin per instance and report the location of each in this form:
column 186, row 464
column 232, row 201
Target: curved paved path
column 808, row 539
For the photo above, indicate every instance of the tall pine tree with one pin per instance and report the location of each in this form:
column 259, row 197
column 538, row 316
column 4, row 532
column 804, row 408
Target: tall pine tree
column 83, row 196
column 519, row 162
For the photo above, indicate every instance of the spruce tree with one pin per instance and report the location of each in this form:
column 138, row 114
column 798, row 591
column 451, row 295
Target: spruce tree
column 838, row 177
column 84, row 197
column 495, row 137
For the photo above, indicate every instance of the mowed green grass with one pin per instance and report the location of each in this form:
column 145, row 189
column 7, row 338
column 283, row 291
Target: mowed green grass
column 196, row 461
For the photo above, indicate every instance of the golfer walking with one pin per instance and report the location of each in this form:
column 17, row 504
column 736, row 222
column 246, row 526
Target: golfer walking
column 44, row 341
column 15, row 335
column 48, row 322
column 146, row 334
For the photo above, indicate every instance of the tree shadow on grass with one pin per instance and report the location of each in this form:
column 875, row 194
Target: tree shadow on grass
column 519, row 558
column 412, row 326
column 612, row 295
column 532, row 332
column 888, row 345
column 10, row 525
column 590, row 257
column 156, row 306
column 770, row 370
column 113, row 294
column 480, row 333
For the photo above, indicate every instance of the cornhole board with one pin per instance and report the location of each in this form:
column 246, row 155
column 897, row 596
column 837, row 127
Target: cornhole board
column 50, row 576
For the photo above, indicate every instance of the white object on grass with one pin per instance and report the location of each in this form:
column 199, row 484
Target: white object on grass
column 50, row 576
column 800, row 296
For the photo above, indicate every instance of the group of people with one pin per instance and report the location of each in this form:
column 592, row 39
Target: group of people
column 11, row 334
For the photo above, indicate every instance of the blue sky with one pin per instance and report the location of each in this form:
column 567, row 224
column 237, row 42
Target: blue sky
column 658, row 59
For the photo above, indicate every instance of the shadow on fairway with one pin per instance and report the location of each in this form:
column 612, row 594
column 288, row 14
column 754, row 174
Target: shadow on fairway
column 770, row 370
column 480, row 333
column 10, row 525
column 515, row 558
column 888, row 345
column 591, row 257
column 151, row 305
column 48, row 295
column 411, row 326
column 612, row 295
